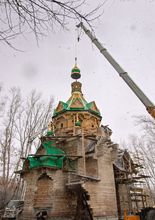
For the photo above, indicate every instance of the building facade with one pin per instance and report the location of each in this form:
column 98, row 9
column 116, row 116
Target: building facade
column 71, row 175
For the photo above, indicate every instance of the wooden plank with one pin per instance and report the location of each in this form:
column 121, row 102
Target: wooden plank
column 87, row 177
column 56, row 155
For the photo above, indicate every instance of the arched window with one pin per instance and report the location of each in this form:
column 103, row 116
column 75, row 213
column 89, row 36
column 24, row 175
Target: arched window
column 44, row 187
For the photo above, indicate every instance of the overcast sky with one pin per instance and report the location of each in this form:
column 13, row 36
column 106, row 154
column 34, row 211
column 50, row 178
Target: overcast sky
column 126, row 29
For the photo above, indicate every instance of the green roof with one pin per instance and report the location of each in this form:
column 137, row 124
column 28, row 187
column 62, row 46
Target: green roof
column 53, row 157
column 76, row 102
column 69, row 106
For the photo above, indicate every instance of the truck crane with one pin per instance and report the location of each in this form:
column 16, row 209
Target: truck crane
column 150, row 107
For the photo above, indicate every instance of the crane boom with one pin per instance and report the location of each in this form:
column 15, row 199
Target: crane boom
column 122, row 73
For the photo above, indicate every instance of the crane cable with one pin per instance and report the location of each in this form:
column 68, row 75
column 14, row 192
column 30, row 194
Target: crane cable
column 78, row 32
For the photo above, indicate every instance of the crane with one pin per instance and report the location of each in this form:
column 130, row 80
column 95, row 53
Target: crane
column 150, row 107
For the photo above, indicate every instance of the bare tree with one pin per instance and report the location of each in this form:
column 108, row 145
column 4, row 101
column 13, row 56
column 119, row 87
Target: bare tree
column 23, row 119
column 32, row 118
column 148, row 145
column 6, row 139
column 143, row 148
column 144, row 156
column 2, row 100
column 38, row 16
column 148, row 126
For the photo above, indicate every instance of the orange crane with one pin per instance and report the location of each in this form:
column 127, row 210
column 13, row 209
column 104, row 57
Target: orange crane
column 150, row 107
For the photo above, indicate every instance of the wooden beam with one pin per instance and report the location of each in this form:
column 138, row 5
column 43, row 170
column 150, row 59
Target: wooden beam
column 56, row 155
column 74, row 183
column 85, row 176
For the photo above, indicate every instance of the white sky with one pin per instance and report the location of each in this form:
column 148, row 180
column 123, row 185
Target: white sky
column 126, row 29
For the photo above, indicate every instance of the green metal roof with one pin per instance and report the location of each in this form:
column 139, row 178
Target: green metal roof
column 76, row 103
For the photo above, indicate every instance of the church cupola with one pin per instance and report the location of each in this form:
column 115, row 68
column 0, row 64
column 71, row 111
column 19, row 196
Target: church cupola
column 75, row 73
column 76, row 112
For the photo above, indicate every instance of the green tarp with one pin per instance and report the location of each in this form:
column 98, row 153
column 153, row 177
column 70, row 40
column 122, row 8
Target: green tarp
column 53, row 157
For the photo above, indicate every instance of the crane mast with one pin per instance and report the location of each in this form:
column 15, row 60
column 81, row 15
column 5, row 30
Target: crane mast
column 122, row 73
